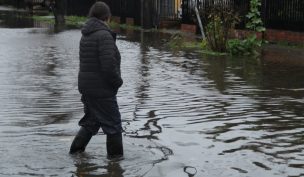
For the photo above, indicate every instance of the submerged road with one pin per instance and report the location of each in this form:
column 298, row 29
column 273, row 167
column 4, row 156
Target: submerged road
column 184, row 114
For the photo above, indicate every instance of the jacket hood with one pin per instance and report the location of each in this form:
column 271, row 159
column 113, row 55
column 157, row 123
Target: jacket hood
column 93, row 24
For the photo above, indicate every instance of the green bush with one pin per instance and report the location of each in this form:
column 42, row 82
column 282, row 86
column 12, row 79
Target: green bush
column 75, row 20
column 181, row 42
column 246, row 46
column 251, row 44
column 255, row 22
column 218, row 22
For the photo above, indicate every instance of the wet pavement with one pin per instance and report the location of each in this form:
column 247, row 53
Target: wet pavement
column 184, row 114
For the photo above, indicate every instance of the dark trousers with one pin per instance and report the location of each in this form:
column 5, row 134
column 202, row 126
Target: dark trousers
column 101, row 113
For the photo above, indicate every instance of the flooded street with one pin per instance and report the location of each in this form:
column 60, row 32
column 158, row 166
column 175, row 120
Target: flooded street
column 184, row 114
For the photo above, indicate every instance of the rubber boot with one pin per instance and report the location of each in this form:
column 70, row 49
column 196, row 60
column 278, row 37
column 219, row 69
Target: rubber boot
column 80, row 141
column 114, row 146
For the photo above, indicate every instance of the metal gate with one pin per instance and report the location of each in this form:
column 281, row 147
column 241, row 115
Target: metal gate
column 188, row 13
column 168, row 9
column 283, row 14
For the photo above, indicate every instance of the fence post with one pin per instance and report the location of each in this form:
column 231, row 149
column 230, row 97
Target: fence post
column 263, row 16
column 200, row 22
column 263, row 11
column 146, row 14
column 123, row 11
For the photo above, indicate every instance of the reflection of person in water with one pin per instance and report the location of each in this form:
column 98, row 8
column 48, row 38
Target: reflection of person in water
column 98, row 81
column 113, row 169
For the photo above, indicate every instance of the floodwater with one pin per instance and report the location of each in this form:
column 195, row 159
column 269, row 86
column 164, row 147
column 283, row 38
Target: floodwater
column 184, row 114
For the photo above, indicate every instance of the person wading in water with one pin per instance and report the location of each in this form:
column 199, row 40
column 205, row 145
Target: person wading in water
column 99, row 79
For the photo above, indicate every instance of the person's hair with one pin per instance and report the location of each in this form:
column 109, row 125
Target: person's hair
column 100, row 10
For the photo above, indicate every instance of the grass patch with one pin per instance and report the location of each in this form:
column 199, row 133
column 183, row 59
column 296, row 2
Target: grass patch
column 76, row 21
column 180, row 42
column 46, row 19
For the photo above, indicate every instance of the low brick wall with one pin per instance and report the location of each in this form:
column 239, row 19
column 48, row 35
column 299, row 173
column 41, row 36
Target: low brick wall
column 284, row 36
column 273, row 35
column 188, row 28
column 130, row 21
column 270, row 35
column 241, row 34
column 169, row 24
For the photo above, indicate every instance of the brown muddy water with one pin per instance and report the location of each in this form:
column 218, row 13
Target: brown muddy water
column 184, row 114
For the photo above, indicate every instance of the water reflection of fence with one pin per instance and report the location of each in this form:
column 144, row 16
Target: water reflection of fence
column 39, row 24
column 276, row 14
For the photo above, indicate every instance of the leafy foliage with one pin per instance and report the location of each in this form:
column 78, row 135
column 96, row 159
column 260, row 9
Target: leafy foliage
column 251, row 44
column 255, row 22
column 75, row 20
column 181, row 42
column 47, row 19
column 218, row 20
column 246, row 46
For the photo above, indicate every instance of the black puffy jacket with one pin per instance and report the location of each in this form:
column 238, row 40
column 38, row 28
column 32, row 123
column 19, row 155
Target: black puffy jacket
column 99, row 69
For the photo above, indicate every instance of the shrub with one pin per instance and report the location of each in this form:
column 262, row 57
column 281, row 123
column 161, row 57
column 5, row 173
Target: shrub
column 251, row 44
column 246, row 46
column 255, row 22
column 218, row 22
